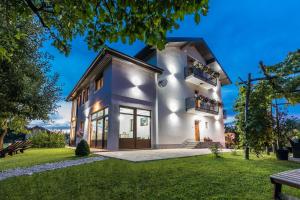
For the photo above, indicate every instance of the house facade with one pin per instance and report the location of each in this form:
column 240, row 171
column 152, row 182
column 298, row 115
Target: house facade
column 157, row 99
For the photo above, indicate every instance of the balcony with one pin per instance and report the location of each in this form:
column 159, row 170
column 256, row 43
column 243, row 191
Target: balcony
column 200, row 74
column 195, row 105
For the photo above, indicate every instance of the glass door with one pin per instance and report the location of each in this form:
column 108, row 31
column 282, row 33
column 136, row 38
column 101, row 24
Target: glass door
column 126, row 133
column 105, row 132
column 135, row 128
column 93, row 134
column 99, row 143
column 143, row 129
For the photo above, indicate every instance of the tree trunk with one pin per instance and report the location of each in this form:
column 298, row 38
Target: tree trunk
column 2, row 138
column 3, row 134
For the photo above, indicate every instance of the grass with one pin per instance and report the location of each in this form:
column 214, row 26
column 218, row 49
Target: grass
column 200, row 177
column 36, row 156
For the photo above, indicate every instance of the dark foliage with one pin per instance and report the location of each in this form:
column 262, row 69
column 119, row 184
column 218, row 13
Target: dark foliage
column 82, row 149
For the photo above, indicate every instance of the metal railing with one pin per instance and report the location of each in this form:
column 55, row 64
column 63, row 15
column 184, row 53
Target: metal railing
column 200, row 74
column 194, row 103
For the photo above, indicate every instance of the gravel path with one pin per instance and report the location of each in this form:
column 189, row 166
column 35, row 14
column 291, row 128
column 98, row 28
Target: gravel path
column 47, row 167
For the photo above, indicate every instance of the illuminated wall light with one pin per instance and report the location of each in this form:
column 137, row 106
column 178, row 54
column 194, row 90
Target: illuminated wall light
column 217, row 124
column 172, row 69
column 173, row 106
column 174, row 117
column 171, row 78
column 218, row 117
column 136, row 92
column 136, row 81
column 215, row 95
column 86, row 113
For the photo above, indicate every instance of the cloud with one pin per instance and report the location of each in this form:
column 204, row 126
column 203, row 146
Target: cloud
column 59, row 120
column 229, row 120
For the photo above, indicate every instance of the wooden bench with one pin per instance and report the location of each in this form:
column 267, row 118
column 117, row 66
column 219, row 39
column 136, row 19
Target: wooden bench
column 290, row 178
column 15, row 147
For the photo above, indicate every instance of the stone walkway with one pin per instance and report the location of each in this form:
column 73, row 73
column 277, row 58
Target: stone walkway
column 47, row 167
column 155, row 154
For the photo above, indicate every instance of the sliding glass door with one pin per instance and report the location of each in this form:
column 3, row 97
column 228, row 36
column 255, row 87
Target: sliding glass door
column 135, row 128
column 99, row 129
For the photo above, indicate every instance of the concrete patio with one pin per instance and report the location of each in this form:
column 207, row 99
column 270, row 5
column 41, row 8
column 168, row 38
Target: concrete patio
column 155, row 154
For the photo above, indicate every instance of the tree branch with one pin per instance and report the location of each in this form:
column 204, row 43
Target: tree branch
column 110, row 14
column 36, row 12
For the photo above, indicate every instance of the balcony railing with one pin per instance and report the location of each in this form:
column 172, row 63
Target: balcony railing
column 200, row 74
column 198, row 105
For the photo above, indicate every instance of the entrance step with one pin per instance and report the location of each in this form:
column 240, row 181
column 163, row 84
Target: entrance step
column 191, row 144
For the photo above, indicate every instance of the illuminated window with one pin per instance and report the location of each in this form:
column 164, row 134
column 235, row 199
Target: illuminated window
column 99, row 82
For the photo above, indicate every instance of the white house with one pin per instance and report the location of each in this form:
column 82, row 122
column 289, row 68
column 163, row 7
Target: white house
column 157, row 99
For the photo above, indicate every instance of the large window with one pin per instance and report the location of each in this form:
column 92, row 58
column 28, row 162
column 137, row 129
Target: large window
column 135, row 128
column 99, row 129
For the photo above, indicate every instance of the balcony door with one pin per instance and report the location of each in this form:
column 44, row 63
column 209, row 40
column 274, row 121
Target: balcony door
column 135, row 128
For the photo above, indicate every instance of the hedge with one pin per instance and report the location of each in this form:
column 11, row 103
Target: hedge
column 48, row 140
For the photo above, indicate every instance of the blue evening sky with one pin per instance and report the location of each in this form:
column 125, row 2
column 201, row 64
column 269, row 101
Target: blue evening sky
column 240, row 33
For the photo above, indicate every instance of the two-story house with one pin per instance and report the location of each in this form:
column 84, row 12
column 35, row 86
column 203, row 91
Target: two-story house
column 156, row 99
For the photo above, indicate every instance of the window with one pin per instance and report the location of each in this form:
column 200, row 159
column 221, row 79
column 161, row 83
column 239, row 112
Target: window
column 126, row 122
column 83, row 96
column 135, row 128
column 87, row 94
column 99, row 129
column 126, row 110
column 143, row 112
column 79, row 100
column 99, row 83
column 206, row 124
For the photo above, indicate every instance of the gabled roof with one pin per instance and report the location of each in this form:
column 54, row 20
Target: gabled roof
column 181, row 42
column 109, row 52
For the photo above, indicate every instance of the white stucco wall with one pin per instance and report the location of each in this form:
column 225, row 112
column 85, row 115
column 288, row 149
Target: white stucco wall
column 175, row 125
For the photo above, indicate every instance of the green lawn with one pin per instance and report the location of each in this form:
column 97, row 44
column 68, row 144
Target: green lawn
column 200, row 177
column 36, row 156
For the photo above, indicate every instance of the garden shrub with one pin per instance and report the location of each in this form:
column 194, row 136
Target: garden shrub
column 43, row 139
column 215, row 149
column 82, row 149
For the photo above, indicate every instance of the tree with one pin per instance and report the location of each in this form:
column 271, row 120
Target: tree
column 27, row 90
column 259, row 125
column 99, row 21
column 285, row 128
column 281, row 81
column 285, row 77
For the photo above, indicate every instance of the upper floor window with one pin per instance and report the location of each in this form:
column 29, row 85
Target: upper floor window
column 79, row 100
column 85, row 95
column 99, row 82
